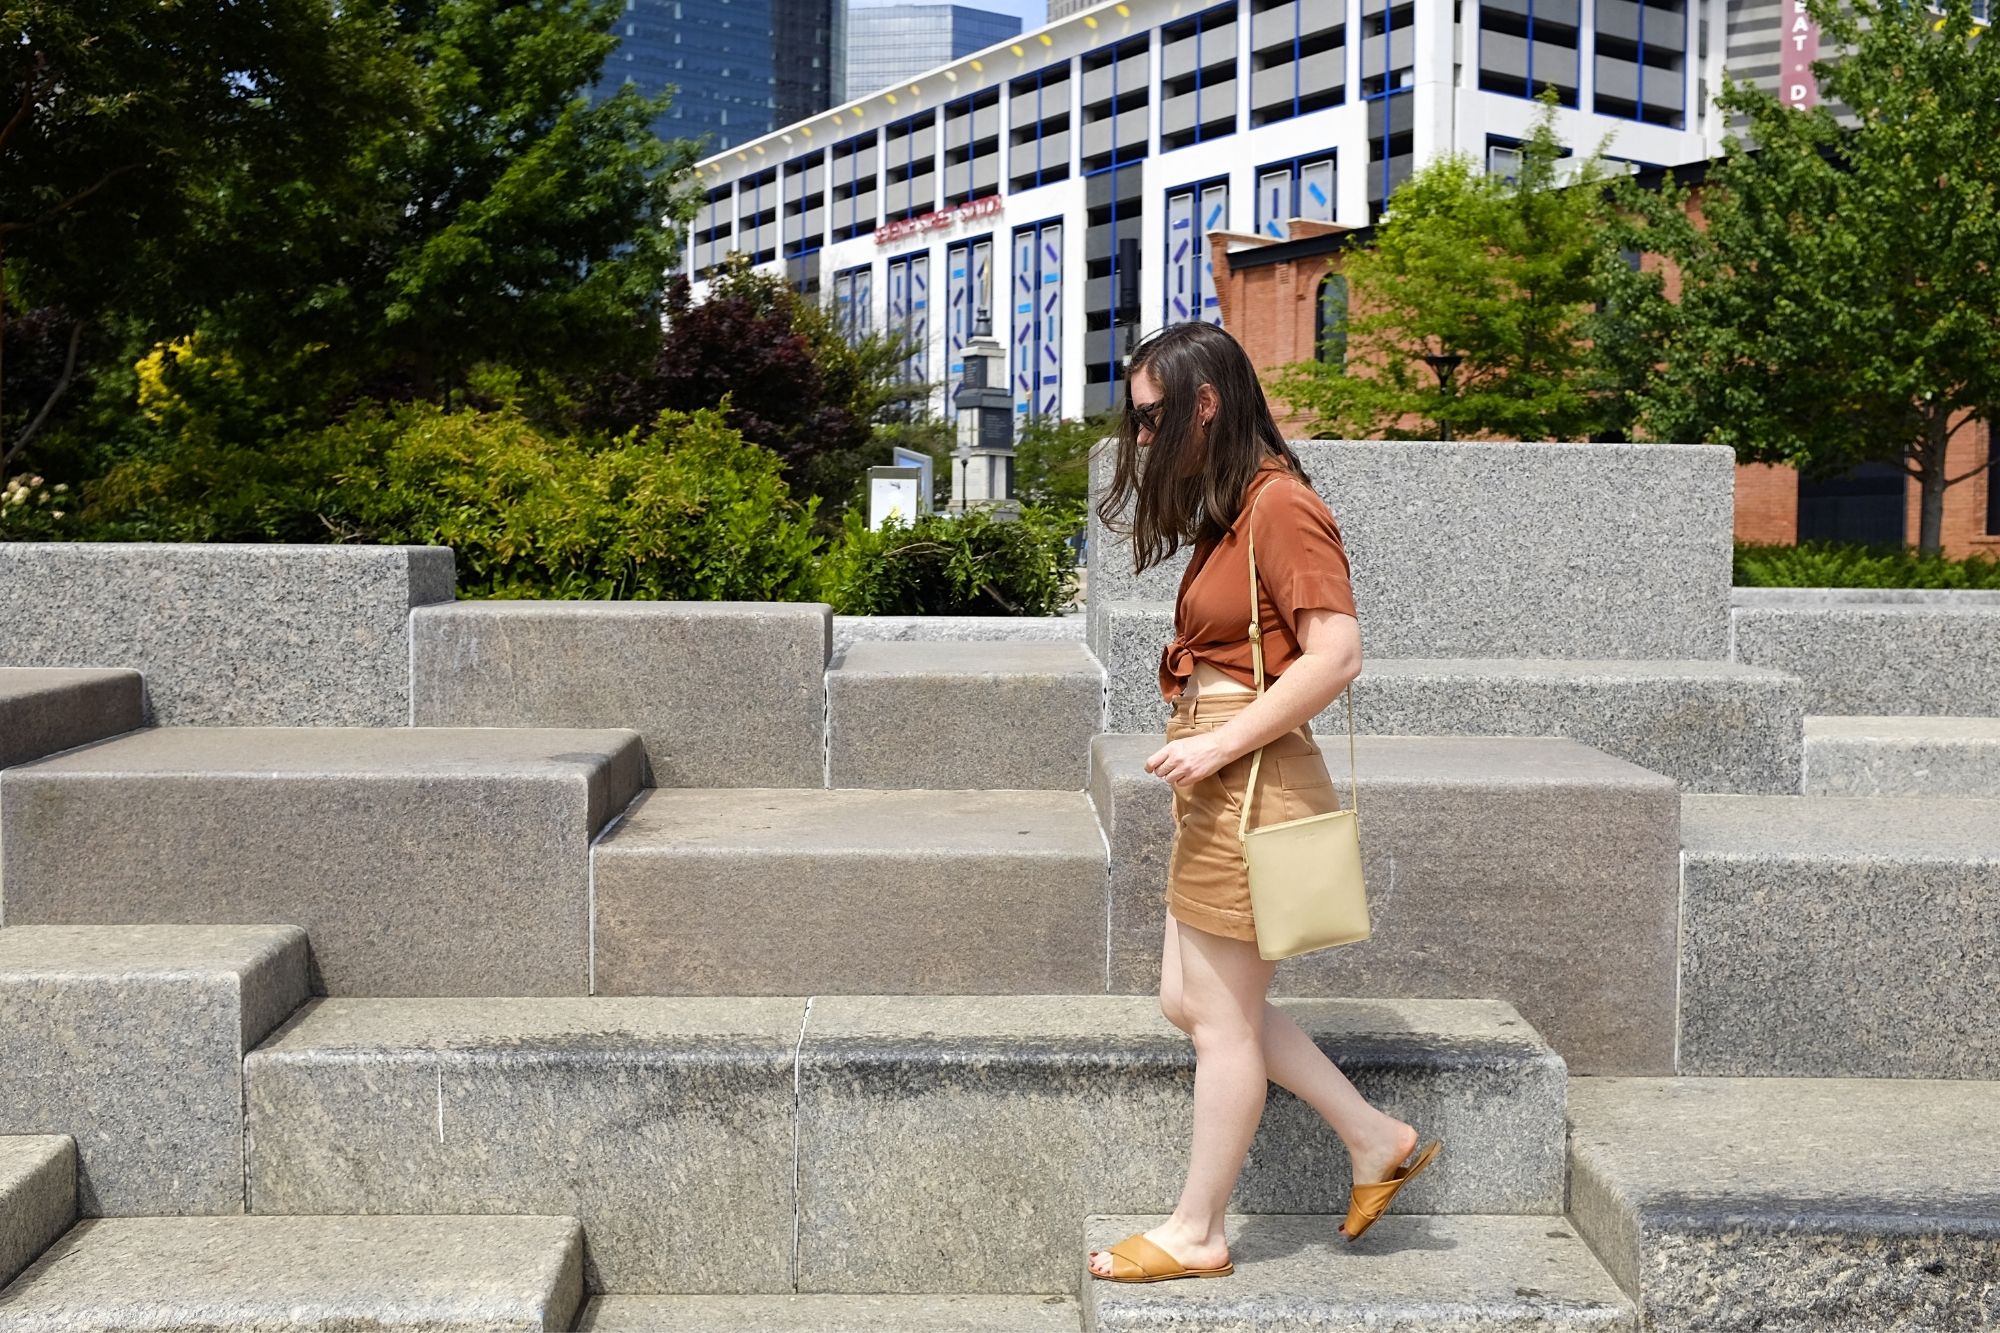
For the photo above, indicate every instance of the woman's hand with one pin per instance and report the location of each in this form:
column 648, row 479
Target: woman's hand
column 1189, row 759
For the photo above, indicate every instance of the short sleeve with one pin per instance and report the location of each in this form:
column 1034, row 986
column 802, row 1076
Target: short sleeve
column 1300, row 558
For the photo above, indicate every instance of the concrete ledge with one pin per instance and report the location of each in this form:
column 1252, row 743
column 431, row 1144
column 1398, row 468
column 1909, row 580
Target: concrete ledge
column 305, row 1275
column 1408, row 1272
column 1552, row 550
column 665, row 1126
column 228, row 635
column 946, row 716
column 832, row 1314
column 922, row 1120
column 1840, row 936
column 1536, row 871
column 1902, row 756
column 130, row 1040
column 875, row 892
column 850, row 630
column 726, row 694
column 420, row 861
column 1969, row 597
column 37, row 1198
column 1934, row 657
column 1726, row 1205
column 43, row 711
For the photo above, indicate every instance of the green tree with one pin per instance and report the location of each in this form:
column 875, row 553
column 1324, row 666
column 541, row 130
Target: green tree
column 1498, row 283
column 1842, row 303
column 1052, row 457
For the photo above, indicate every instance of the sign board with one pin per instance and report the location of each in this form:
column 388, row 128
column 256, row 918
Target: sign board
column 901, row 457
column 940, row 220
column 892, row 491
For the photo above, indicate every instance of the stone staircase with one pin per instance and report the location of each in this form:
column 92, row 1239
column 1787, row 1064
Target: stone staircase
column 669, row 966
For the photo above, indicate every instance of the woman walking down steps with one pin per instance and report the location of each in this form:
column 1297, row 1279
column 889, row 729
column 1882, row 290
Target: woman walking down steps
column 1215, row 463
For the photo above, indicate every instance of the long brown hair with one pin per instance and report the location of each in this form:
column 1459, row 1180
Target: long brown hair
column 1192, row 482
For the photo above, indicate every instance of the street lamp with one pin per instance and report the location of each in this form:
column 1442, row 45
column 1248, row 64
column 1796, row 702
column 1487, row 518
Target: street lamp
column 1443, row 364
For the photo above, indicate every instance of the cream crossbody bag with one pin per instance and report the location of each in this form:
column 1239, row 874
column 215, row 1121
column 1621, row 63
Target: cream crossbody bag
column 1305, row 874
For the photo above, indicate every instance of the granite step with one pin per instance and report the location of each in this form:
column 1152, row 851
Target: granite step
column 1842, row 1205
column 832, row 1314
column 789, row 892
column 44, row 711
column 421, row 861
column 1409, row 1273
column 1533, row 870
column 945, row 715
column 855, row 1144
column 1840, row 936
column 37, row 1197
column 1902, row 756
column 301, row 1274
column 1866, row 652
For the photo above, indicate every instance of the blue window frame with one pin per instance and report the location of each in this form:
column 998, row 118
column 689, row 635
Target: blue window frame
column 1206, row 91
column 1123, row 152
column 909, row 310
column 1193, row 211
column 1038, row 307
column 1387, row 93
column 905, row 134
column 1526, row 28
column 1304, row 187
column 1036, row 140
column 1667, row 21
column 854, row 300
column 845, row 190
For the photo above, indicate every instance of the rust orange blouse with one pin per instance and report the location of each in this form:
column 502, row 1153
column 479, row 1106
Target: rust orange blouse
column 1301, row 563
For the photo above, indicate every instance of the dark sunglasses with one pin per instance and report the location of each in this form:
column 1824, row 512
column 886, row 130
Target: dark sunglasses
column 1144, row 416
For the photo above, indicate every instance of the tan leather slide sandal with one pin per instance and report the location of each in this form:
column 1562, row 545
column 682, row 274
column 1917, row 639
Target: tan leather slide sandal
column 1136, row 1259
column 1368, row 1202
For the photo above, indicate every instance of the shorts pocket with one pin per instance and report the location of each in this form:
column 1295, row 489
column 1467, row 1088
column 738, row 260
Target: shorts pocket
column 1297, row 772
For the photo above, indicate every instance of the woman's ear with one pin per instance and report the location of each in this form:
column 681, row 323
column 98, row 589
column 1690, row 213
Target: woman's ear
column 1206, row 403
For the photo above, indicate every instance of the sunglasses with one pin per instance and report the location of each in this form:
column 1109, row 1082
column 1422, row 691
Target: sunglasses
column 1144, row 416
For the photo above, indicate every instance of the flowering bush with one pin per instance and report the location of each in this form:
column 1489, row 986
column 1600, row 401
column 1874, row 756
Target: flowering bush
column 32, row 511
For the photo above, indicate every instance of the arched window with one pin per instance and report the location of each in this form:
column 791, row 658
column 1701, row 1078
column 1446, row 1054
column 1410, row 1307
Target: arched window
column 1330, row 322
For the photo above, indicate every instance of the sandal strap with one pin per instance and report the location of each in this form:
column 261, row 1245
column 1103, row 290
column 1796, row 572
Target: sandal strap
column 1150, row 1259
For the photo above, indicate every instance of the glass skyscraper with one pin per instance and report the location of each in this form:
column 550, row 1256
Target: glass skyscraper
column 888, row 45
column 741, row 67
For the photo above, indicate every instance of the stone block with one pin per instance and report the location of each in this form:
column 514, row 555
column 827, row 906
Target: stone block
column 1936, row 657
column 953, row 1143
column 832, row 1314
column 37, row 1197
column 871, row 892
column 1840, row 936
column 944, row 716
column 1902, row 756
column 130, row 1040
column 1407, row 1274
column 43, row 710
column 1846, row 1205
column 1535, row 871
column 304, row 1275
column 1498, row 549
column 726, row 694
column 229, row 635
column 850, row 630
column 665, row 1126
column 421, row 861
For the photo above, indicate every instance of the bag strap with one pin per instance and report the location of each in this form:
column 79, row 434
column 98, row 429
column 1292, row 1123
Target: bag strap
column 1257, row 660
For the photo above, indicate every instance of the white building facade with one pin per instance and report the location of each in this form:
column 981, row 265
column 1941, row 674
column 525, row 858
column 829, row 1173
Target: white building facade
column 1057, row 189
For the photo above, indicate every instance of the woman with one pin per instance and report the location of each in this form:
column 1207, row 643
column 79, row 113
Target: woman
column 1215, row 463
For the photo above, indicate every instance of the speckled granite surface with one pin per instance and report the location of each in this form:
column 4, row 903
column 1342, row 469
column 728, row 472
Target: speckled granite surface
column 953, row 716
column 304, row 1275
column 849, row 630
column 1849, row 1205
column 1409, row 1273
column 950, row 1144
column 226, row 634
column 1507, row 550
column 1537, row 871
column 420, row 861
column 1902, row 756
column 1840, row 935
column 872, row 892
column 37, row 1197
column 44, row 710
column 130, row 1040
column 832, row 1314
column 1930, row 658
column 664, row 1125
column 726, row 694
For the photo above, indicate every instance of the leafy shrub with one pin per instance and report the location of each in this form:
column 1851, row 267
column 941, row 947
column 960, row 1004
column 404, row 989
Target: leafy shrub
column 954, row 565
column 1052, row 457
column 31, row 510
column 1825, row 564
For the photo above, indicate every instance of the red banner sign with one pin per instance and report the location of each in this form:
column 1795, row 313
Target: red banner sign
column 944, row 217
column 1797, row 88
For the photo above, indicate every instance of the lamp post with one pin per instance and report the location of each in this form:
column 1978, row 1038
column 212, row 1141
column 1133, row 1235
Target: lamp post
column 1443, row 364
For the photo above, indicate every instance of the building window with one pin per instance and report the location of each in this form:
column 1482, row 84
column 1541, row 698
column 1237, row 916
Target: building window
column 1642, row 60
column 1115, row 217
column 1039, row 133
column 1388, row 77
column 1330, row 320
column 712, row 227
column 972, row 147
column 855, row 195
column 1528, row 45
column 1192, row 214
column 1301, row 188
column 1037, row 343
column 909, row 157
column 1298, row 58
column 853, row 301
column 968, row 299
column 1198, row 78
column 805, row 205
column 757, row 215
column 1115, row 122
column 910, row 311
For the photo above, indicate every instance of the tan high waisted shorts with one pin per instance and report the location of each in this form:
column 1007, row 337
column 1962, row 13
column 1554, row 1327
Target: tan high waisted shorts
column 1207, row 886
